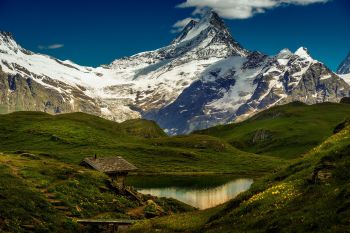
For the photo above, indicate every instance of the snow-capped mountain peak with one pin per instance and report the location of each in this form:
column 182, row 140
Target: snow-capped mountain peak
column 9, row 45
column 203, row 78
column 193, row 28
column 185, row 31
column 303, row 52
column 284, row 53
column 6, row 37
column 210, row 30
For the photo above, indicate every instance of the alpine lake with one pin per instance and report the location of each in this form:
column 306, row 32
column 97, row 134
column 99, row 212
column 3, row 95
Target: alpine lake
column 202, row 192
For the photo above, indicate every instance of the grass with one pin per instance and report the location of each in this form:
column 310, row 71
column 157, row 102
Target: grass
column 299, row 198
column 186, row 222
column 312, row 194
column 286, row 131
column 71, row 137
column 41, row 156
column 306, row 190
column 47, row 196
column 22, row 207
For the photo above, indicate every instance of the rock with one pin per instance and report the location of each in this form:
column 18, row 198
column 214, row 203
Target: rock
column 341, row 126
column 152, row 209
column 345, row 100
column 30, row 156
column 344, row 67
column 261, row 135
column 321, row 173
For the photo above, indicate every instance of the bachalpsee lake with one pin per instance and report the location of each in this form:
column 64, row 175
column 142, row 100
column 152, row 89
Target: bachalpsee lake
column 202, row 192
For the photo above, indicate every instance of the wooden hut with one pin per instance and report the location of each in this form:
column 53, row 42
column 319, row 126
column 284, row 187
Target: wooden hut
column 115, row 167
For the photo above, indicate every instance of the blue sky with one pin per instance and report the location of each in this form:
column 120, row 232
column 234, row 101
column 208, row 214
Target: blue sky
column 97, row 32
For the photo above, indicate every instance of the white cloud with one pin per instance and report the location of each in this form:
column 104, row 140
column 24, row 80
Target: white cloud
column 179, row 25
column 53, row 46
column 241, row 9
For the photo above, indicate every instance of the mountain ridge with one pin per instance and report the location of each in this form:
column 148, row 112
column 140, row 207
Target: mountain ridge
column 344, row 67
column 204, row 77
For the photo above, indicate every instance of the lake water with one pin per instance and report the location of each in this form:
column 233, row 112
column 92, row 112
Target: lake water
column 200, row 192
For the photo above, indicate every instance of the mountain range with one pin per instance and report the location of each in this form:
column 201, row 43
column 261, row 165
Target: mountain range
column 203, row 78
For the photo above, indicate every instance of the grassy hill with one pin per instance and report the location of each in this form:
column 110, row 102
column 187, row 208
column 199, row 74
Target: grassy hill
column 43, row 188
column 285, row 131
column 71, row 137
column 45, row 195
column 310, row 195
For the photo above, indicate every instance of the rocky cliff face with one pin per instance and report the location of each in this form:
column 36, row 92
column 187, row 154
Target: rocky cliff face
column 19, row 93
column 202, row 78
column 344, row 67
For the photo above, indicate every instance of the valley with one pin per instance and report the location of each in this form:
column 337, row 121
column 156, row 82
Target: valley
column 309, row 195
column 41, row 154
column 174, row 130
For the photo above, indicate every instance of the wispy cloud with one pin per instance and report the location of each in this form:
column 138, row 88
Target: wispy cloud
column 242, row 9
column 179, row 25
column 53, row 46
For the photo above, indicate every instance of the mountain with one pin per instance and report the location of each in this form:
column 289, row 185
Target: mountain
column 344, row 67
column 126, row 88
column 204, row 77
column 239, row 86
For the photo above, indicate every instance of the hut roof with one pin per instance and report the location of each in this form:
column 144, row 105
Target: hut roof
column 110, row 164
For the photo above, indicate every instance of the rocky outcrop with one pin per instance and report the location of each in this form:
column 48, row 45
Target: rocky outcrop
column 260, row 136
column 322, row 173
column 18, row 93
column 345, row 100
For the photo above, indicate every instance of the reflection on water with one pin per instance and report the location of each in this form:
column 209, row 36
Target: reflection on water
column 202, row 198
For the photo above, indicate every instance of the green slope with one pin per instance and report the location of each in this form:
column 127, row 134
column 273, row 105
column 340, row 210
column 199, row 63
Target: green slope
column 310, row 195
column 45, row 195
column 71, row 137
column 43, row 188
column 283, row 131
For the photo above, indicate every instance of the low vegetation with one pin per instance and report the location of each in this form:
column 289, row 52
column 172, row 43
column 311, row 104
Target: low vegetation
column 286, row 131
column 44, row 195
column 71, row 137
column 305, row 187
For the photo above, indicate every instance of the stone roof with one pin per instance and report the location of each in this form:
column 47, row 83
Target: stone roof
column 110, row 164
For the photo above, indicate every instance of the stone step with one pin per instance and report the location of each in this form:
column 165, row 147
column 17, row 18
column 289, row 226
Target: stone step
column 61, row 207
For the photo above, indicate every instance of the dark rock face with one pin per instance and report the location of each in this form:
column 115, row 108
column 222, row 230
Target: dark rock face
column 322, row 173
column 12, row 82
column 191, row 105
column 254, row 60
column 313, row 89
column 345, row 100
column 185, row 31
column 341, row 126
